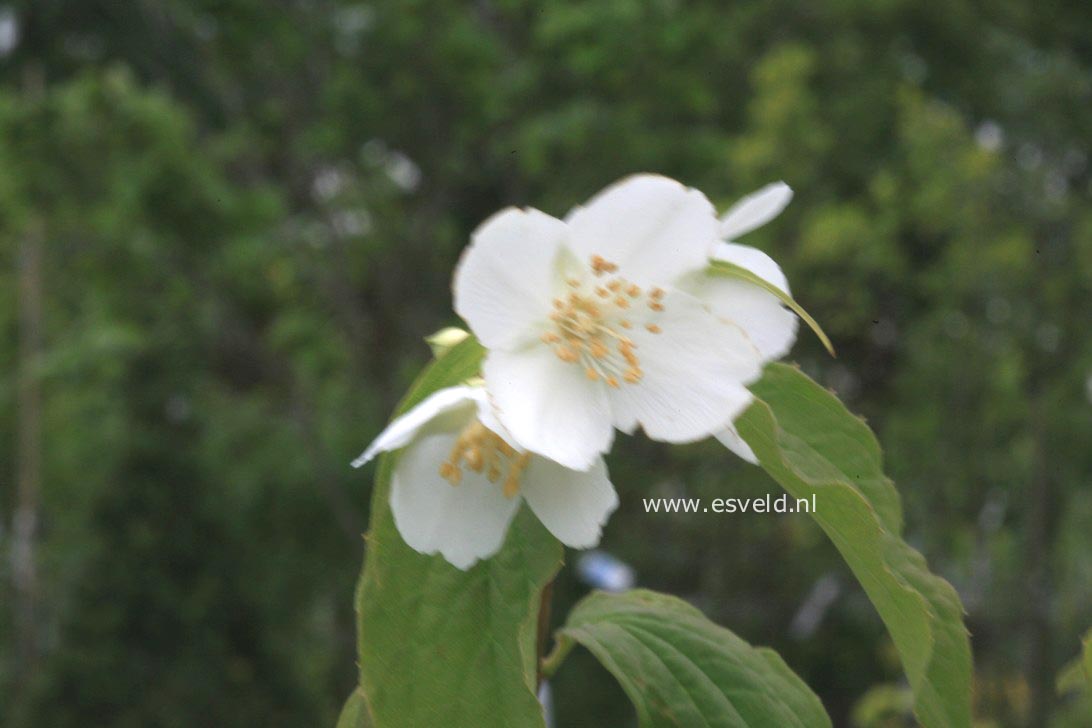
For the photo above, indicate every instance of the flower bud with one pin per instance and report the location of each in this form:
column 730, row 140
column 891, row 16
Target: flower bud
column 445, row 339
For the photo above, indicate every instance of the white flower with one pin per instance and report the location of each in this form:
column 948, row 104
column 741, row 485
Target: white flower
column 587, row 329
column 767, row 323
column 459, row 481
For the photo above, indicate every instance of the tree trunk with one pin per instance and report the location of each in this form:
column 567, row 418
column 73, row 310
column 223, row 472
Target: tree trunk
column 29, row 425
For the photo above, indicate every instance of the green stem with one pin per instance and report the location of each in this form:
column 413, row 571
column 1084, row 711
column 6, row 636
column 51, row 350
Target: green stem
column 549, row 664
column 543, row 636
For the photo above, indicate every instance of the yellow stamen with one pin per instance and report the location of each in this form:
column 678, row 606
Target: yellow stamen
column 450, row 473
column 479, row 449
column 515, row 471
column 511, row 487
column 600, row 265
column 566, row 354
column 588, row 324
column 474, row 459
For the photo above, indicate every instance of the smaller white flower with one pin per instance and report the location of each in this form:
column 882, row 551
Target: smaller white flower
column 460, row 478
column 768, row 324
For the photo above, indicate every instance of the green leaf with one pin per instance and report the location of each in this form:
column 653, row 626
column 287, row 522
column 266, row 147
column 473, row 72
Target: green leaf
column 806, row 439
column 1086, row 657
column 882, row 705
column 440, row 646
column 355, row 712
column 681, row 670
column 1076, row 676
column 731, row 270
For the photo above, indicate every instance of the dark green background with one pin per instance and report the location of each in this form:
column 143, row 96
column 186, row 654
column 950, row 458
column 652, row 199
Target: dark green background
column 247, row 214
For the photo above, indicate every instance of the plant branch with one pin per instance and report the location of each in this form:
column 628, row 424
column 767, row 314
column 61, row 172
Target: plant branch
column 543, row 635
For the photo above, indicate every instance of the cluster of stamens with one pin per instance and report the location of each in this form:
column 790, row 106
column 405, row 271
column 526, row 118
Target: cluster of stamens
column 483, row 451
column 589, row 324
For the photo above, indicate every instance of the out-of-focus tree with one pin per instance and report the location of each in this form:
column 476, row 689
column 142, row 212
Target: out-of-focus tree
column 174, row 590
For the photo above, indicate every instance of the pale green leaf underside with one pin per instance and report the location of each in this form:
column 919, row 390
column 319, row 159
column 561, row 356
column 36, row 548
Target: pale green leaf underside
column 731, row 270
column 440, row 646
column 810, row 444
column 354, row 714
column 682, row 671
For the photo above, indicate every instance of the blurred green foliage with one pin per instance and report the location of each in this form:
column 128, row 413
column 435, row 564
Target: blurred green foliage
column 248, row 214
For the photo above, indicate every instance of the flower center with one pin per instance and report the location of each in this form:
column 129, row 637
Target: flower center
column 588, row 324
column 484, row 451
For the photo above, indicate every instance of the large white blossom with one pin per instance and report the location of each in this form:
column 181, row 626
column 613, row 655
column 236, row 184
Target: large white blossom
column 588, row 329
column 460, row 479
column 768, row 324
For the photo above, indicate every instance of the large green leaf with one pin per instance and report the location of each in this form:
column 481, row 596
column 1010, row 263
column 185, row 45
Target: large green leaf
column 681, row 670
column 440, row 646
column 806, row 439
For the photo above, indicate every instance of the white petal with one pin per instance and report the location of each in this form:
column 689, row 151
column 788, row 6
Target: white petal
column 753, row 260
column 695, row 372
column 464, row 523
column 506, row 279
column 548, row 405
column 755, row 210
column 730, row 438
column 769, row 325
column 573, row 505
column 654, row 228
column 766, row 321
column 487, row 415
column 405, row 427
